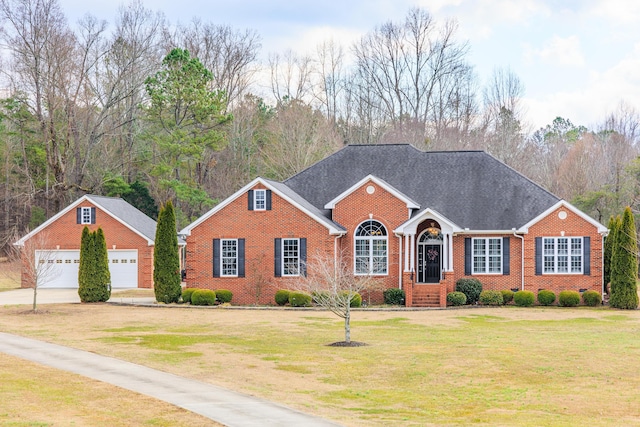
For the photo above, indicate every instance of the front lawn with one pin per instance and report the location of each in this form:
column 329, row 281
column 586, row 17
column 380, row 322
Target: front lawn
column 490, row 366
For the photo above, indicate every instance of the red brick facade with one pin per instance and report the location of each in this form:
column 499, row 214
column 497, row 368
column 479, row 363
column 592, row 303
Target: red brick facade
column 378, row 202
column 65, row 233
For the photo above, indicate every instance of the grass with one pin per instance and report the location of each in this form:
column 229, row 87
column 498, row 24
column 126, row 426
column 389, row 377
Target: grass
column 495, row 366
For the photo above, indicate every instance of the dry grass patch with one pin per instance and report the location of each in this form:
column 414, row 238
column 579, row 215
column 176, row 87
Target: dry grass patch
column 9, row 275
column 35, row 395
column 493, row 366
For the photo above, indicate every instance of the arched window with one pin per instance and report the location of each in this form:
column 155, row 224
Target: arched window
column 371, row 244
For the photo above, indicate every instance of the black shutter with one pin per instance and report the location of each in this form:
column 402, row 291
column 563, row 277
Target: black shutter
column 93, row 215
column 216, row 257
column 241, row 258
column 506, row 256
column 250, row 200
column 538, row 256
column 277, row 258
column 78, row 215
column 467, row 256
column 586, row 254
column 267, row 203
column 303, row 256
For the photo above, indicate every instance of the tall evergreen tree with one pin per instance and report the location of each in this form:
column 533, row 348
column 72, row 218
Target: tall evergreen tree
column 94, row 278
column 613, row 236
column 102, row 274
column 166, row 261
column 624, row 265
column 608, row 242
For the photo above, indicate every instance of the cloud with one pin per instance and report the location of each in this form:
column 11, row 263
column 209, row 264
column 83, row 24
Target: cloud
column 617, row 11
column 559, row 51
column 600, row 95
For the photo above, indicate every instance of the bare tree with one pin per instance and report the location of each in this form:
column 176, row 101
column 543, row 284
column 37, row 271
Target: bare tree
column 332, row 283
column 290, row 76
column 39, row 263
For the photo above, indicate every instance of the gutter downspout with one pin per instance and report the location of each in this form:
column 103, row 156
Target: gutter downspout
column 521, row 257
column 399, row 261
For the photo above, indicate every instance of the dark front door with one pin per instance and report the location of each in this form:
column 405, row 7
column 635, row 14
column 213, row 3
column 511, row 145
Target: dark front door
column 429, row 263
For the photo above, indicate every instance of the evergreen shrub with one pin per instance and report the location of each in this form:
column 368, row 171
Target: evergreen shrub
column 299, row 299
column 524, row 298
column 507, row 296
column 491, row 297
column 224, row 295
column 546, row 297
column 470, row 287
column 203, row 297
column 569, row 299
column 282, row 297
column 592, row 298
column 456, row 298
column 356, row 299
column 394, row 296
column 186, row 294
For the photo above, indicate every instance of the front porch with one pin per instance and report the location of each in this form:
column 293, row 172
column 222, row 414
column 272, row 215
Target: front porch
column 426, row 294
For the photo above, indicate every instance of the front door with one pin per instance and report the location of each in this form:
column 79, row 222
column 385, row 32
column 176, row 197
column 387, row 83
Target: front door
column 429, row 263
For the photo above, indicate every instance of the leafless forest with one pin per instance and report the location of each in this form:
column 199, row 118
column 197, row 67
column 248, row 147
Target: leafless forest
column 149, row 110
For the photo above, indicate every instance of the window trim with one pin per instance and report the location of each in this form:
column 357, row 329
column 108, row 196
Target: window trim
column 487, row 255
column 283, row 257
column 370, row 243
column 262, row 192
column 222, row 257
column 85, row 213
column 569, row 255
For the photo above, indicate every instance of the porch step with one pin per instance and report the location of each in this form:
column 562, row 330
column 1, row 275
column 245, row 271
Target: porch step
column 426, row 296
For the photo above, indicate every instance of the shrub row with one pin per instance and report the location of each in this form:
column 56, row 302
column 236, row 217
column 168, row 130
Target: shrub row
column 196, row 296
column 526, row 298
column 301, row 299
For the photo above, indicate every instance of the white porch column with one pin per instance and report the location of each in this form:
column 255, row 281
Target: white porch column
column 406, row 252
column 412, row 249
column 450, row 252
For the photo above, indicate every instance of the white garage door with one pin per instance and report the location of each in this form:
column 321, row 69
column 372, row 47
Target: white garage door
column 63, row 271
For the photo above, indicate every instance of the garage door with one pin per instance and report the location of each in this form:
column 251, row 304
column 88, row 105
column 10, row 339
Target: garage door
column 123, row 266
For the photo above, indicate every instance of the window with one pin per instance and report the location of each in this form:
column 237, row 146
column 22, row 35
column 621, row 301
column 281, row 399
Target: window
column 85, row 216
column 259, row 200
column 487, row 256
column 290, row 257
column 562, row 255
column 371, row 248
column 229, row 258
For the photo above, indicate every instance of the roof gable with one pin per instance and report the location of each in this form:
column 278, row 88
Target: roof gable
column 471, row 188
column 563, row 203
column 281, row 190
column 117, row 208
column 371, row 178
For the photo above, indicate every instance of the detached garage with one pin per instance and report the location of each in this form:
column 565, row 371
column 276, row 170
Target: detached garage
column 129, row 234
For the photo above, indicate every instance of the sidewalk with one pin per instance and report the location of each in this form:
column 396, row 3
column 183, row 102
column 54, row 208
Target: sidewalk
column 224, row 406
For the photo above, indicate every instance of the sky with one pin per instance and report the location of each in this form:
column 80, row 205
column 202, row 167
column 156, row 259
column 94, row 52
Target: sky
column 577, row 59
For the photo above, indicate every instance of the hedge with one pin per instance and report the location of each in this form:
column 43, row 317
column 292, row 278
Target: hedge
column 524, row 298
column 471, row 288
column 394, row 296
column 186, row 294
column 203, row 297
column 491, row 297
column 282, row 297
column 591, row 298
column 507, row 296
column 299, row 299
column 456, row 298
column 223, row 295
column 569, row 299
column 546, row 297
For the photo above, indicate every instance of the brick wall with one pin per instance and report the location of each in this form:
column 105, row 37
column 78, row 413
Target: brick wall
column 259, row 229
column 66, row 233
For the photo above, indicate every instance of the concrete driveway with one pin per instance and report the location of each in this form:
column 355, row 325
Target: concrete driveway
column 59, row 296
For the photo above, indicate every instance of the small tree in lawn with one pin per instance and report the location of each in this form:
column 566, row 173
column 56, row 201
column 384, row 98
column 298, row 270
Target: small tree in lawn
column 624, row 265
column 333, row 285
column 166, row 259
column 38, row 262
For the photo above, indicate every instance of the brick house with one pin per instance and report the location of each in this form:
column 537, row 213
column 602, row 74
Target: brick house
column 129, row 234
column 417, row 220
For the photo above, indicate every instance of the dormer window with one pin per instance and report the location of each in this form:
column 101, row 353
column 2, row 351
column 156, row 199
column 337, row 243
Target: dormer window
column 259, row 200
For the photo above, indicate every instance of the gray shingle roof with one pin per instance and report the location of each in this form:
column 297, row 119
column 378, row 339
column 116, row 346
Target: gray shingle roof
column 471, row 188
column 127, row 214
